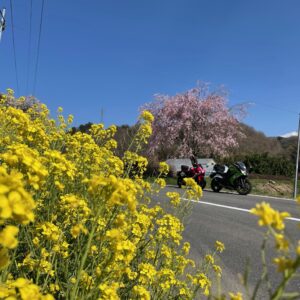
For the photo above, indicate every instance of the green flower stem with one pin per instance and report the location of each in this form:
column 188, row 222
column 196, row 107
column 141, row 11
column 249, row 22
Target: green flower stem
column 280, row 289
column 84, row 257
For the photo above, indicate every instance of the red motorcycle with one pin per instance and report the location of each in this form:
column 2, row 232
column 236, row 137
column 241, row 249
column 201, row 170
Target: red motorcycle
column 196, row 171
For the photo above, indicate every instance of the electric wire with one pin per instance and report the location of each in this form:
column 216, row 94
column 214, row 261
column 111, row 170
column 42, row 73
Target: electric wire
column 29, row 48
column 38, row 48
column 14, row 45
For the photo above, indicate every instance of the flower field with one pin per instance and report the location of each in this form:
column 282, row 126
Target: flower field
column 76, row 220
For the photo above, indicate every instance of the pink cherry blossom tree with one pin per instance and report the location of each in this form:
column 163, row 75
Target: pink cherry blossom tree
column 197, row 122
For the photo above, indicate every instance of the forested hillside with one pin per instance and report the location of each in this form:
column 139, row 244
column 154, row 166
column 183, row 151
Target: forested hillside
column 289, row 146
column 267, row 155
column 257, row 142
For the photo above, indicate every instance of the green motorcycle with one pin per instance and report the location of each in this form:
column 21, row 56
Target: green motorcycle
column 232, row 177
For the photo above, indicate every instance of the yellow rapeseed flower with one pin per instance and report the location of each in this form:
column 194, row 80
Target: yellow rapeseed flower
column 147, row 116
column 209, row 259
column 186, row 248
column 141, row 293
column 281, row 242
column 163, row 168
column 217, row 270
column 174, row 198
column 28, row 290
column 204, row 283
column 236, row 296
column 109, row 291
column 283, row 263
column 8, row 237
column 195, row 191
column 147, row 273
column 269, row 217
column 220, row 247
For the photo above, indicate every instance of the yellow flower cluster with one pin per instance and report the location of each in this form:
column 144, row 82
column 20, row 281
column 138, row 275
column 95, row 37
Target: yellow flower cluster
column 269, row 216
column 236, row 296
column 174, row 198
column 220, row 247
column 15, row 202
column 203, row 282
column 163, row 168
column 22, row 289
column 194, row 191
column 287, row 262
column 147, row 116
column 170, row 226
column 8, row 237
column 75, row 218
column 136, row 164
column 145, row 129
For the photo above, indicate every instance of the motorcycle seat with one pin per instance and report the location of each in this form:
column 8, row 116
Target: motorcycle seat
column 221, row 169
column 184, row 168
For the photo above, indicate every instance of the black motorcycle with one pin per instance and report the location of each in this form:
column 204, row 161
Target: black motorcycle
column 232, row 177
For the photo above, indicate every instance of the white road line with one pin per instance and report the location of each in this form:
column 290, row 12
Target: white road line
column 252, row 195
column 232, row 207
column 272, row 197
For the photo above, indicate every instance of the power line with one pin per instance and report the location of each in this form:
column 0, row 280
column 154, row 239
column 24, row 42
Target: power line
column 29, row 47
column 38, row 48
column 14, row 46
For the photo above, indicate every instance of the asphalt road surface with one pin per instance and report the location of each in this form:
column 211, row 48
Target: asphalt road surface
column 225, row 217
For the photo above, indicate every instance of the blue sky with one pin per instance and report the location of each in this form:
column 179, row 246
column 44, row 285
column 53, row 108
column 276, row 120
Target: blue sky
column 115, row 55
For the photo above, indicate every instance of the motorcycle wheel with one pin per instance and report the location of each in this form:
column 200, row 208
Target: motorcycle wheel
column 179, row 181
column 244, row 186
column 215, row 185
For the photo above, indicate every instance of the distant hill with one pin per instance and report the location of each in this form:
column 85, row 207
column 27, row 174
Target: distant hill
column 289, row 146
column 257, row 142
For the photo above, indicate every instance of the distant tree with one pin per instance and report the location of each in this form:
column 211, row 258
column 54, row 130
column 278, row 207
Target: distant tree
column 289, row 146
column 195, row 122
column 124, row 136
column 84, row 128
column 264, row 164
column 255, row 141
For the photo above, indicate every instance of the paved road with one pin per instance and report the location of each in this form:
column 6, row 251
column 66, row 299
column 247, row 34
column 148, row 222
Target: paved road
column 225, row 217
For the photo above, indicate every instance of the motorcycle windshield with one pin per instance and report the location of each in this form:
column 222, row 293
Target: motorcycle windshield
column 241, row 166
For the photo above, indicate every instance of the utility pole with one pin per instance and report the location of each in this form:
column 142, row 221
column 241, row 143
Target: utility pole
column 297, row 163
column 2, row 22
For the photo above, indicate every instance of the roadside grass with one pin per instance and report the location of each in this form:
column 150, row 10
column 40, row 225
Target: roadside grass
column 275, row 188
column 260, row 186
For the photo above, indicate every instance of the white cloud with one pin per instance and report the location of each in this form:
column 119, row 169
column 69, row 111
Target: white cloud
column 289, row 134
